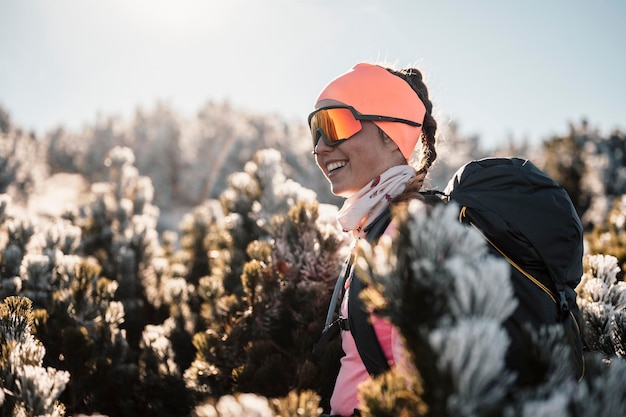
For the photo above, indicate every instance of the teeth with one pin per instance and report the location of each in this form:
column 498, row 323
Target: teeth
column 334, row 165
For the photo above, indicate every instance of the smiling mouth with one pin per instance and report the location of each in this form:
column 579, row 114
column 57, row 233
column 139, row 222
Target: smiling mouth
column 333, row 166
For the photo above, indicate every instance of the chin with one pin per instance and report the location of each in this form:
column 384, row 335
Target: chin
column 341, row 193
column 343, row 190
column 336, row 192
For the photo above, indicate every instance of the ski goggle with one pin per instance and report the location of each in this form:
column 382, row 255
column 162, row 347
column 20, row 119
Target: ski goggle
column 335, row 124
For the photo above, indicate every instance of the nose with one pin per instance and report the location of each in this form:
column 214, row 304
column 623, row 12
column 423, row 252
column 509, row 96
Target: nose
column 321, row 145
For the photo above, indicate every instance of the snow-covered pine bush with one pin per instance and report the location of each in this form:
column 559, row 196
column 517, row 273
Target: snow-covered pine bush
column 154, row 137
column 82, row 331
column 300, row 404
column 563, row 160
column 263, row 317
column 76, row 317
column 119, row 236
column 65, row 150
column 609, row 237
column 220, row 140
column 449, row 299
column 27, row 388
column 249, row 202
column 163, row 390
column 264, row 345
column 118, row 229
column 602, row 302
column 85, row 273
column 591, row 168
column 22, row 162
column 204, row 241
column 188, row 160
column 5, row 120
column 15, row 233
column 602, row 391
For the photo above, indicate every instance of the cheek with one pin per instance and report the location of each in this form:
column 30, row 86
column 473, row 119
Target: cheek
column 317, row 162
column 320, row 168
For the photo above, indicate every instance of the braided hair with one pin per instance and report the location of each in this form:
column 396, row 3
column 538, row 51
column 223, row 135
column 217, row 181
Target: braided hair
column 429, row 128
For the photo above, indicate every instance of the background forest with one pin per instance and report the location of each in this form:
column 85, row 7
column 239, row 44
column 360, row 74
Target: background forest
column 168, row 266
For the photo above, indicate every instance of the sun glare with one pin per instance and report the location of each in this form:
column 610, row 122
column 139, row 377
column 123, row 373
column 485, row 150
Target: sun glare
column 187, row 17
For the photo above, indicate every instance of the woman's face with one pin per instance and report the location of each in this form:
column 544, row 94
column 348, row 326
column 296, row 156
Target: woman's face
column 352, row 164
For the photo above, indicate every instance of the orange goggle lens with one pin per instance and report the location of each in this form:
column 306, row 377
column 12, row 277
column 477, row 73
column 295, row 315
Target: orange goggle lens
column 339, row 123
column 334, row 124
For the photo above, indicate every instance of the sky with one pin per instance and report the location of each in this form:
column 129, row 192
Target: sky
column 520, row 70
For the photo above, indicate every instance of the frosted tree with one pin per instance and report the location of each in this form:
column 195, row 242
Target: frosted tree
column 252, row 198
column 609, row 237
column 263, row 318
column 602, row 391
column 602, row 301
column 82, row 330
column 5, row 120
column 449, row 299
column 22, row 163
column 304, row 404
column 17, row 232
column 591, row 168
column 65, row 151
column 119, row 229
column 77, row 318
column 27, row 388
column 189, row 160
column 104, row 287
column 155, row 140
column 221, row 140
column 163, row 389
column 214, row 145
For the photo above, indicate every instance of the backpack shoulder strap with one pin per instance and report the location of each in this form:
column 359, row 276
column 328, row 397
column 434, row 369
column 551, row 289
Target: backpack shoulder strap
column 360, row 326
column 359, row 321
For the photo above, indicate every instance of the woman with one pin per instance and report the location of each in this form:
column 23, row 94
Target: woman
column 365, row 128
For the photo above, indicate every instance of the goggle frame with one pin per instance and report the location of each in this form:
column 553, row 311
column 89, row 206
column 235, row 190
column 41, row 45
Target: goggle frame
column 321, row 133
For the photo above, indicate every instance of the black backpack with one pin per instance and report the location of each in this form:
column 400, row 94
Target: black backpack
column 528, row 219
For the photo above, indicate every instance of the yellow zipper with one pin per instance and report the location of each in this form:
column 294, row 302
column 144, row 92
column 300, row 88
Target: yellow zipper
column 545, row 289
column 519, row 268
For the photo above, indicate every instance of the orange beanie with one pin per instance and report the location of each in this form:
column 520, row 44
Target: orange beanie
column 371, row 89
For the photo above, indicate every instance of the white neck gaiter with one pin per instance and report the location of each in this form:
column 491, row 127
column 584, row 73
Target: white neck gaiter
column 370, row 201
